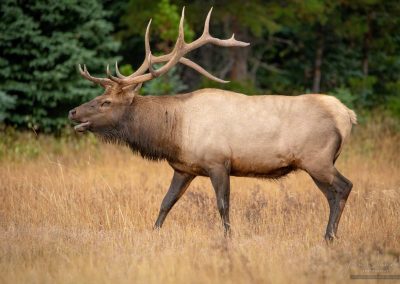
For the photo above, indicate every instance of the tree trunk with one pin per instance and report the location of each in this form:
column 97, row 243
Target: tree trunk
column 366, row 46
column 239, row 66
column 319, row 51
column 240, row 55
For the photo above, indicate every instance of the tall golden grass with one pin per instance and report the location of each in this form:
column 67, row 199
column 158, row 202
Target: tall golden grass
column 78, row 211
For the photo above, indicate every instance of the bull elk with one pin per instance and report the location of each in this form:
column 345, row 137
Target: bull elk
column 217, row 133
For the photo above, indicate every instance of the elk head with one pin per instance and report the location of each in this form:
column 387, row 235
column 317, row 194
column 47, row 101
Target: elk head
column 106, row 110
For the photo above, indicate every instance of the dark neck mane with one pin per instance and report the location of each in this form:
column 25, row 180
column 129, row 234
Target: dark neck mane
column 150, row 127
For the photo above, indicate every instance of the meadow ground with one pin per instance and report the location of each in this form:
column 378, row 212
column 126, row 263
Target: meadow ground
column 78, row 211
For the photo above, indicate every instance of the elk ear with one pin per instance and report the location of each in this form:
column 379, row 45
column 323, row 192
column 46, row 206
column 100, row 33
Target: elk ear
column 132, row 91
column 131, row 95
column 135, row 91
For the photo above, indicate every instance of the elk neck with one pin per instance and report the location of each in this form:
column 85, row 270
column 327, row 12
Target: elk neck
column 150, row 127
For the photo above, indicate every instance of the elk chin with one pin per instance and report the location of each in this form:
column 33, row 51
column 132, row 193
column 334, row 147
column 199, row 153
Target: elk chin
column 82, row 127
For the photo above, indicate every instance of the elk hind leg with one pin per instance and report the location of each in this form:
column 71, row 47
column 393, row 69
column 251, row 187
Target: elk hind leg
column 336, row 192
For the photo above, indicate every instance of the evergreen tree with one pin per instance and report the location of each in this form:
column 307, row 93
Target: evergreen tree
column 41, row 42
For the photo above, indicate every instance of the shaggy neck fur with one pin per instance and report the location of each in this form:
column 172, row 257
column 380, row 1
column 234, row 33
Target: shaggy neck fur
column 150, row 126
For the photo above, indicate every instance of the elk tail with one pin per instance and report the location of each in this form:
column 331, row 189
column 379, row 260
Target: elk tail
column 344, row 135
column 353, row 116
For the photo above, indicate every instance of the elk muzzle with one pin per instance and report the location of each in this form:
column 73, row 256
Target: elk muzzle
column 82, row 125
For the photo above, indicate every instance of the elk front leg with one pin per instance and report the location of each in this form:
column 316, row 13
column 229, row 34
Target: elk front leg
column 179, row 184
column 221, row 182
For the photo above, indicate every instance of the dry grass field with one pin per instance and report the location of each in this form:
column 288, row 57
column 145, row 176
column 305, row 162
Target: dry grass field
column 79, row 211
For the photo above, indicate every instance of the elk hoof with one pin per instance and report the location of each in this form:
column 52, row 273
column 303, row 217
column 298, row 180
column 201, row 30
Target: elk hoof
column 329, row 238
column 156, row 227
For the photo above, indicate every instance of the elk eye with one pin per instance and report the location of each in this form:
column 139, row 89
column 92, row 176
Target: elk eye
column 106, row 103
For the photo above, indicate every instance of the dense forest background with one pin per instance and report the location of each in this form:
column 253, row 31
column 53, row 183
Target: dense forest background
column 346, row 48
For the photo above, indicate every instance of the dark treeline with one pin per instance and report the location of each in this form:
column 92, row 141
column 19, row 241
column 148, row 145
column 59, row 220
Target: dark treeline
column 347, row 48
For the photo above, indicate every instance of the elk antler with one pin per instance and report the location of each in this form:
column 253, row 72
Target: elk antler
column 176, row 55
column 101, row 81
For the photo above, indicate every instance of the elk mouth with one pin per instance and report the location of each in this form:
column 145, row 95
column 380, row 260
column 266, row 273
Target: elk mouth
column 82, row 127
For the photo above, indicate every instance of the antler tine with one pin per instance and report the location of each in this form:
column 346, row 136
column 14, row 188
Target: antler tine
column 181, row 36
column 117, row 71
column 148, row 50
column 201, row 70
column 147, row 39
column 101, row 81
column 85, row 70
column 206, row 30
column 113, row 78
column 108, row 71
column 231, row 42
column 80, row 69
